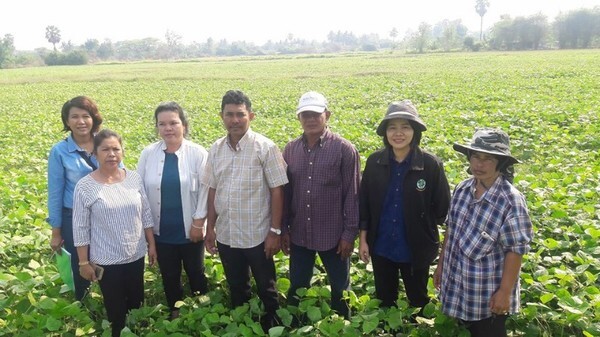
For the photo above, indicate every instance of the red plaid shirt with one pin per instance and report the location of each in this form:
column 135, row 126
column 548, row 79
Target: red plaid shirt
column 321, row 198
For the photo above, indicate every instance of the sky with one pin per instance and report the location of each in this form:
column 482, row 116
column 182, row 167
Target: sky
column 256, row 21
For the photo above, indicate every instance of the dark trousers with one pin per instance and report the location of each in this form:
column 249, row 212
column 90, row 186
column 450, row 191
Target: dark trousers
column 170, row 259
column 387, row 282
column 237, row 264
column 66, row 231
column 494, row 326
column 122, row 287
column 302, row 262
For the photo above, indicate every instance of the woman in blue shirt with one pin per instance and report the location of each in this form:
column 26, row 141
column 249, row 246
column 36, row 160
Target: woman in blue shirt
column 404, row 196
column 70, row 160
column 172, row 170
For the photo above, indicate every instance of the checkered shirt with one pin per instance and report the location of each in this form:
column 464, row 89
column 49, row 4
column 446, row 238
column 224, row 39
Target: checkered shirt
column 480, row 233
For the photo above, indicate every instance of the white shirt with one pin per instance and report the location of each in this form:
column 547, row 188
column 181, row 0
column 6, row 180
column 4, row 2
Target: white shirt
column 191, row 160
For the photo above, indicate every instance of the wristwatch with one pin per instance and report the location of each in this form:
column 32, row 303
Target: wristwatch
column 275, row 230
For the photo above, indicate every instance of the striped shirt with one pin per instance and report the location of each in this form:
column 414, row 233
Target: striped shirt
column 480, row 233
column 242, row 178
column 111, row 219
column 321, row 204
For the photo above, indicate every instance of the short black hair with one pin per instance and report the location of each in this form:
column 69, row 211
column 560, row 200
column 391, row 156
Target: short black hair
column 174, row 107
column 236, row 97
column 105, row 134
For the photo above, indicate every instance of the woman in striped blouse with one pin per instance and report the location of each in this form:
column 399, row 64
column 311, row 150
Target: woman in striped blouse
column 112, row 218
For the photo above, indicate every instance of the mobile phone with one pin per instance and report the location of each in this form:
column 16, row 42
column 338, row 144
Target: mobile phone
column 99, row 272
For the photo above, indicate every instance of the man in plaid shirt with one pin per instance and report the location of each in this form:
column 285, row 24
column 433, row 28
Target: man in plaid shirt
column 321, row 202
column 489, row 230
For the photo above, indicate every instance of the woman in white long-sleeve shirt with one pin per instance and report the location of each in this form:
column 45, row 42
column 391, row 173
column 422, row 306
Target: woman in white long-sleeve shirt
column 172, row 169
column 112, row 220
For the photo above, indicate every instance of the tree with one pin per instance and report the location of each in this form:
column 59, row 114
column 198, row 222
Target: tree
column 481, row 7
column 53, row 35
column 7, row 48
column 421, row 38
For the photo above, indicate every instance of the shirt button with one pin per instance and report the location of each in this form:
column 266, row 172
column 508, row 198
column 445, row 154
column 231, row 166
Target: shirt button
column 394, row 220
column 398, row 173
column 308, row 219
column 309, row 177
column 308, row 191
column 308, row 150
column 308, row 206
column 396, row 190
column 310, row 163
column 396, row 205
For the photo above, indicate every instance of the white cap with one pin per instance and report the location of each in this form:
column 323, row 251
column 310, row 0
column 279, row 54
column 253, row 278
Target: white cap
column 312, row 101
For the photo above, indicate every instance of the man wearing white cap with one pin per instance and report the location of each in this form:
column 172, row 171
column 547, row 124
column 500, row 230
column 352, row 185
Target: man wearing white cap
column 321, row 202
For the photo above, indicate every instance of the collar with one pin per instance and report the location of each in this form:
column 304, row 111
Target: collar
column 493, row 190
column 416, row 158
column 240, row 144
column 163, row 146
column 72, row 145
column 326, row 135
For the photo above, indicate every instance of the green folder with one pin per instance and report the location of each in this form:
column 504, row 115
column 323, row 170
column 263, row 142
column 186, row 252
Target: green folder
column 63, row 263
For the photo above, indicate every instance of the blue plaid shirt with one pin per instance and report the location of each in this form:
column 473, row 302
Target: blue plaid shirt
column 480, row 233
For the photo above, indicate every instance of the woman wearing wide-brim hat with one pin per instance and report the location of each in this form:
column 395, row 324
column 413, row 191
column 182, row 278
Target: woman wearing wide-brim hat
column 404, row 197
column 488, row 232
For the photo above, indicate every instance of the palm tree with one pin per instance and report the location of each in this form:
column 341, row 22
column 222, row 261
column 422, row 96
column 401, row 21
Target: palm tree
column 53, row 35
column 481, row 7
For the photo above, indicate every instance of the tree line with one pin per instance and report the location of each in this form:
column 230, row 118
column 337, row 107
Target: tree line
column 575, row 29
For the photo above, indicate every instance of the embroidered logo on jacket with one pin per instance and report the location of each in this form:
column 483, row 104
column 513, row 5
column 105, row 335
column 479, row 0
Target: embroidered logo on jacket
column 421, row 183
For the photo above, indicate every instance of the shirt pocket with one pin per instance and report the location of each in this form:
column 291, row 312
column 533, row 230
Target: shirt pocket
column 478, row 243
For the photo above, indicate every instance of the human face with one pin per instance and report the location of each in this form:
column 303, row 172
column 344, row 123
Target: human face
column 80, row 122
column 483, row 167
column 236, row 119
column 399, row 134
column 109, row 153
column 313, row 123
column 170, row 127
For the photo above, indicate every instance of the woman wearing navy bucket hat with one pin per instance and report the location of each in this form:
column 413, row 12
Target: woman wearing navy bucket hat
column 488, row 232
column 404, row 196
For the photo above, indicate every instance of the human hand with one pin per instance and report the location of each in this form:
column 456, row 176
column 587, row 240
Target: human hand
column 210, row 242
column 87, row 272
column 344, row 249
column 500, row 302
column 363, row 251
column 152, row 256
column 197, row 230
column 272, row 244
column 56, row 241
column 285, row 243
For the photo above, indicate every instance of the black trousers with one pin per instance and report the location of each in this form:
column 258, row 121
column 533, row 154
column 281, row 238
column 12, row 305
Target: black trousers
column 237, row 264
column 122, row 287
column 494, row 326
column 387, row 282
column 66, row 231
column 170, row 260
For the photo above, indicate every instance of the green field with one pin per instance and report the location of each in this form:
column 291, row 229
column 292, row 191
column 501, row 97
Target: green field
column 548, row 102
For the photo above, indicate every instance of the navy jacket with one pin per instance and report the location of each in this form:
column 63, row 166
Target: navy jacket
column 426, row 201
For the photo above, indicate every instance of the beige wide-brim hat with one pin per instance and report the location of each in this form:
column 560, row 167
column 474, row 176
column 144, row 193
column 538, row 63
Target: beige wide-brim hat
column 401, row 109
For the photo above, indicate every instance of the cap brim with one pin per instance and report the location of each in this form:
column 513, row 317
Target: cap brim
column 313, row 108
column 464, row 149
column 399, row 114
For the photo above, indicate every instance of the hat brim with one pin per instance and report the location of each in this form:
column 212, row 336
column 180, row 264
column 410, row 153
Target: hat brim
column 399, row 115
column 464, row 149
column 313, row 108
